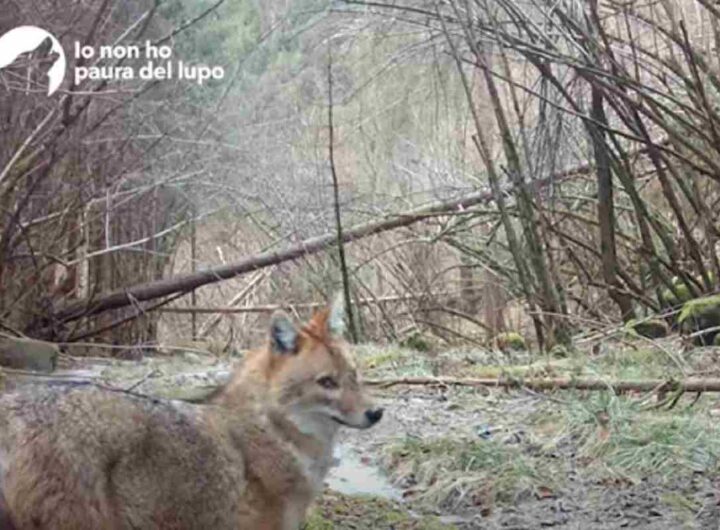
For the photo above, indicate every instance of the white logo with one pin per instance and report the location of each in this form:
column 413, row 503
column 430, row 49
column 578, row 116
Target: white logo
column 25, row 39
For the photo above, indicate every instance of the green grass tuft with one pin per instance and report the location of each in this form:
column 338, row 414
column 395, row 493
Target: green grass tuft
column 621, row 436
column 450, row 472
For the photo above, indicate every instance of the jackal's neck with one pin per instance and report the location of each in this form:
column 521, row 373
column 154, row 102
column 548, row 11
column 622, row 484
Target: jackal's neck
column 301, row 434
column 304, row 438
column 310, row 439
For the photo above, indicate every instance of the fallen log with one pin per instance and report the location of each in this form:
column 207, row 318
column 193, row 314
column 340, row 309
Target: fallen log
column 187, row 282
column 562, row 383
column 195, row 393
column 269, row 308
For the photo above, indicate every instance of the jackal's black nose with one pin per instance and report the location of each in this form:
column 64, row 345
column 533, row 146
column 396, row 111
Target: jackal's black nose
column 374, row 416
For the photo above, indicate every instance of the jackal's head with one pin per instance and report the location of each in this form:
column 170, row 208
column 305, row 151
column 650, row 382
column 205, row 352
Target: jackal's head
column 310, row 374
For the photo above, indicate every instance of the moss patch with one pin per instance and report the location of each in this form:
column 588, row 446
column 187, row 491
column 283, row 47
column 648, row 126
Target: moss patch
column 416, row 341
column 699, row 306
column 701, row 314
column 683, row 293
column 652, row 328
column 382, row 358
column 559, row 351
column 511, row 341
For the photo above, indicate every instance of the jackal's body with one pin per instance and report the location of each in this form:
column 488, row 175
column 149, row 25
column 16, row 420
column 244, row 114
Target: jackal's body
column 110, row 460
column 80, row 457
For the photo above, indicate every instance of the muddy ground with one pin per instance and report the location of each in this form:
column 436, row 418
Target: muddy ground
column 567, row 460
column 578, row 501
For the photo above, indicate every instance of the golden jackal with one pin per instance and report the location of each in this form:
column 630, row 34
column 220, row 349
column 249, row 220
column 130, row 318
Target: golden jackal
column 77, row 457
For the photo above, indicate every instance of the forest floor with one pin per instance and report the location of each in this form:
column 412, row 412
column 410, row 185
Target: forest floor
column 476, row 458
column 466, row 458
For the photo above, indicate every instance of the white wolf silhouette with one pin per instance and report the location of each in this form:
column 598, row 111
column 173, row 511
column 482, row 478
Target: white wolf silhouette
column 25, row 39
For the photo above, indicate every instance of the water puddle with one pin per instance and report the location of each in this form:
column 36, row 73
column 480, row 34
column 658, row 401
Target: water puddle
column 84, row 374
column 352, row 476
column 21, row 378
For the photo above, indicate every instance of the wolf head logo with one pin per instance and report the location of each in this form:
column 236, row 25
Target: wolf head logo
column 26, row 39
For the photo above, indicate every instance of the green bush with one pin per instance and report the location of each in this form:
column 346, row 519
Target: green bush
column 701, row 314
column 511, row 340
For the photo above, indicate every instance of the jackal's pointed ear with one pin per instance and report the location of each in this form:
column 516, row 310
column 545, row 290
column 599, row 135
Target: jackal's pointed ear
column 283, row 333
column 336, row 316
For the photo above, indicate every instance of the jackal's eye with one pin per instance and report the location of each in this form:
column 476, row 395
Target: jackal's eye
column 327, row 382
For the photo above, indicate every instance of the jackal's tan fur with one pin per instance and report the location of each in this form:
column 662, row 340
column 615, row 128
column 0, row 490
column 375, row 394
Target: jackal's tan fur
column 80, row 457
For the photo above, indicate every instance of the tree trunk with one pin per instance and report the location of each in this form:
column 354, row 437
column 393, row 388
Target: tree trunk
column 606, row 209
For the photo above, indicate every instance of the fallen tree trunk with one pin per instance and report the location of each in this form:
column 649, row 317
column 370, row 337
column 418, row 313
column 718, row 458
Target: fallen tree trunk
column 637, row 385
column 198, row 393
column 269, row 308
column 187, row 282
